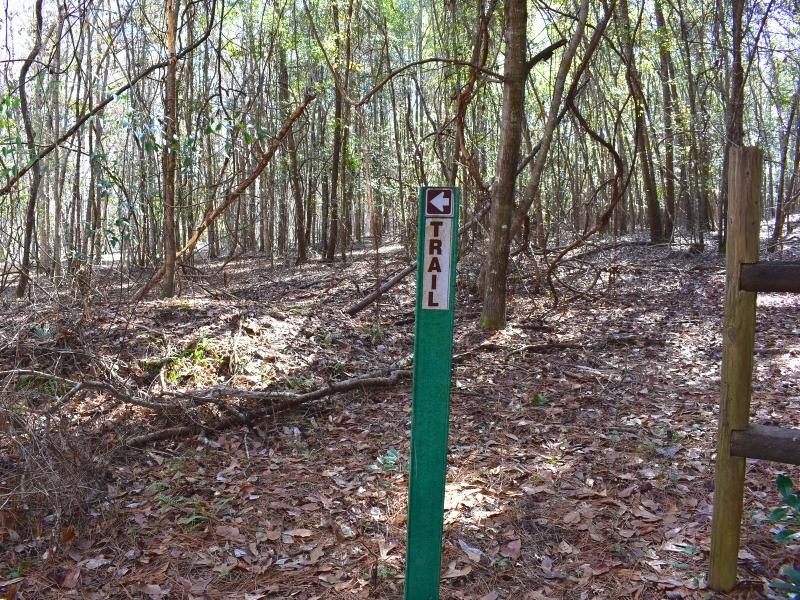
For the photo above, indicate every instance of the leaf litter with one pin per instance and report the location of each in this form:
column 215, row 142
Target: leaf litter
column 581, row 445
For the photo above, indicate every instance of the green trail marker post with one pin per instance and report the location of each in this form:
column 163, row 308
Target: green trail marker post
column 433, row 361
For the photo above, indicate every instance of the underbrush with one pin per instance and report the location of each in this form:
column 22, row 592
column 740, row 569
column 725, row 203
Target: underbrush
column 50, row 464
column 49, row 476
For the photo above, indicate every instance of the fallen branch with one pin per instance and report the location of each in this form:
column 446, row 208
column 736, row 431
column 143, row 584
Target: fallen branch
column 279, row 402
column 605, row 248
column 544, row 348
column 393, row 280
column 88, row 384
column 275, row 401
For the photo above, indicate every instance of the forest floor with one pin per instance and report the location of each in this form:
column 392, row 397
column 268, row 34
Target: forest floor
column 581, row 439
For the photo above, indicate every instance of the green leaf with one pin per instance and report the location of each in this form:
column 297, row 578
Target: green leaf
column 192, row 519
column 778, row 514
column 786, row 536
column 791, row 573
column 785, row 487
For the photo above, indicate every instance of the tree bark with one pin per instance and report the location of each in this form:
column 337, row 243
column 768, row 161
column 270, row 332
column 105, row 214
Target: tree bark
column 640, row 122
column 30, row 140
column 169, row 150
column 493, row 315
column 734, row 116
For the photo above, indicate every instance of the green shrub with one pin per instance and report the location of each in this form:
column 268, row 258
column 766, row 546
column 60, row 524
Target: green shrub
column 787, row 520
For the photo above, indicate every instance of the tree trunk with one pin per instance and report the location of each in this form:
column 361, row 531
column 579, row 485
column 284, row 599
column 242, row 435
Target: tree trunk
column 338, row 104
column 169, row 150
column 294, row 170
column 532, row 193
column 640, row 123
column 666, row 93
column 780, row 202
column 493, row 315
column 59, row 169
column 734, row 116
column 30, row 140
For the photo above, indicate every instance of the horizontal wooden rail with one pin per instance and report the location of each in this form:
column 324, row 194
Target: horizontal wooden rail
column 770, row 277
column 768, row 443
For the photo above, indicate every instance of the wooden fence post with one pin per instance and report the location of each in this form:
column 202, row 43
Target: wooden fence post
column 744, row 222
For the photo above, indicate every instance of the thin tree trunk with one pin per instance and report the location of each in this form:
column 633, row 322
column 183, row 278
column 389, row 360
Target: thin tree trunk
column 734, row 116
column 30, row 140
column 640, row 122
column 666, row 93
column 59, row 169
column 294, row 170
column 780, row 201
column 338, row 104
column 232, row 196
column 168, row 155
column 493, row 315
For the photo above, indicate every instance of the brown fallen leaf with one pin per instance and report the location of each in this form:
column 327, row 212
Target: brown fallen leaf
column 596, row 535
column 572, row 517
column 538, row 595
column 95, row 563
column 512, row 549
column 71, row 578
column 344, row 532
column 565, row 548
column 229, row 532
column 154, row 591
column 298, row 532
column 314, row 556
column 473, row 553
column 453, row 571
column 68, row 534
column 626, row 533
column 646, row 514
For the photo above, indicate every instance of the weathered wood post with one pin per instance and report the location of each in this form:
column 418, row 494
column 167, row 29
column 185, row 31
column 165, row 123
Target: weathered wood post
column 744, row 188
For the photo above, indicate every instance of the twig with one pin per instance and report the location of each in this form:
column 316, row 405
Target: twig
column 78, row 386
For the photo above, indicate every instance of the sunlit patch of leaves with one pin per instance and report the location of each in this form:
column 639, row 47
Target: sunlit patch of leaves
column 198, row 363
